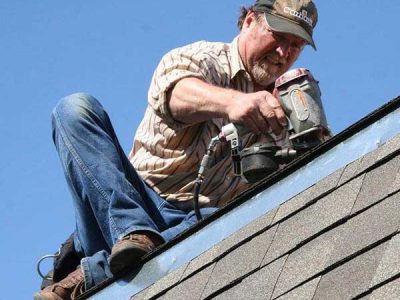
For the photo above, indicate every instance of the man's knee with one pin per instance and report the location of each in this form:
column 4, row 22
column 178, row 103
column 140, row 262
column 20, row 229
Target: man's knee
column 76, row 104
column 75, row 108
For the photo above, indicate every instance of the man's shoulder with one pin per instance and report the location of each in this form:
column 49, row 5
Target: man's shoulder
column 204, row 47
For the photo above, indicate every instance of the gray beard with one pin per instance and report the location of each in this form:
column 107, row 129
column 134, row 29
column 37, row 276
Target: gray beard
column 259, row 72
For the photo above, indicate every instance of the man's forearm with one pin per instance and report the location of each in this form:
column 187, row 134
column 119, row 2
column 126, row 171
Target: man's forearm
column 193, row 100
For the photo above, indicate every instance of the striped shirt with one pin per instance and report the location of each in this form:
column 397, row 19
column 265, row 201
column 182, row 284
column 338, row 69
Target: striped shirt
column 167, row 153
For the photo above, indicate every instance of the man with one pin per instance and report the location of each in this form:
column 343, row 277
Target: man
column 128, row 207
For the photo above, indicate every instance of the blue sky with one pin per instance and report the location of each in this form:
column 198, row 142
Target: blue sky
column 49, row 49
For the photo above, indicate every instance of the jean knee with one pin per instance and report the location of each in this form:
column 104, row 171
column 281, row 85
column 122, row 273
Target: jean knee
column 76, row 104
column 76, row 107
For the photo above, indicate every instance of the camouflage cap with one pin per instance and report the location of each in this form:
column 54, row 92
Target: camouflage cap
column 297, row 17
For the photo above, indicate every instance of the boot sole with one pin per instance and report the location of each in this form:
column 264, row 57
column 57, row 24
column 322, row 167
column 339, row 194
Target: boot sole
column 125, row 259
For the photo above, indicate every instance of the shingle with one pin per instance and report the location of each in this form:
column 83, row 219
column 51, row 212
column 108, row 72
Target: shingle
column 305, row 263
column 352, row 278
column 259, row 224
column 329, row 182
column 368, row 160
column 390, row 263
column 395, row 185
column 140, row 296
column 191, row 288
column 257, row 286
column 161, row 285
column 240, row 261
column 303, row 292
column 313, row 219
column 224, row 246
column 350, row 171
column 377, row 184
column 202, row 260
column 300, row 200
column 389, row 291
column 372, row 225
column 389, row 147
column 335, row 245
column 360, row 165
column 295, row 203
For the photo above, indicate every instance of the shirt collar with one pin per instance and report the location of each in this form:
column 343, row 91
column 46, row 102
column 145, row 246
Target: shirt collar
column 236, row 61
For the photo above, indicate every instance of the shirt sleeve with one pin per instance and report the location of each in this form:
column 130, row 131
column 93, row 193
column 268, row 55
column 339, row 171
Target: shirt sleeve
column 190, row 61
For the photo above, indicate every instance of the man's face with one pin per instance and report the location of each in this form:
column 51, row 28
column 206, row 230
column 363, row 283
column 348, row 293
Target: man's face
column 269, row 54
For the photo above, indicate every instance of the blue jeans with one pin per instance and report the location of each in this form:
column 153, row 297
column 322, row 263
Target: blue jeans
column 110, row 198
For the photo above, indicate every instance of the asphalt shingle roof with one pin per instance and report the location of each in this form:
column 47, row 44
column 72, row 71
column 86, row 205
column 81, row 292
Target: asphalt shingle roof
column 339, row 239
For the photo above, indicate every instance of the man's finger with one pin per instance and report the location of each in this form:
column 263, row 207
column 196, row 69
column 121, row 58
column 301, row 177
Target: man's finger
column 271, row 117
column 272, row 120
column 279, row 113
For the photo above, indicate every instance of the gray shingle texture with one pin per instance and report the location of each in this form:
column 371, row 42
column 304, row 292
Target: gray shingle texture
column 191, row 288
column 376, row 223
column 314, row 218
column 377, row 184
column 308, row 195
column 390, row 263
column 350, row 171
column 161, row 285
column 395, row 185
column 368, row 160
column 305, row 263
column 230, row 242
column 389, row 147
column 303, row 292
column 357, row 233
column 390, row 291
column 202, row 260
column 257, row 286
column 240, row 261
column 352, row 278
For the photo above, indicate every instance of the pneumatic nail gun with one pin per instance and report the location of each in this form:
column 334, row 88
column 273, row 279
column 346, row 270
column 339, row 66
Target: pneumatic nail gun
column 300, row 97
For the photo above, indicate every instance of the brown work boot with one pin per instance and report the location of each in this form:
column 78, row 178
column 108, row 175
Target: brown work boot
column 69, row 288
column 130, row 249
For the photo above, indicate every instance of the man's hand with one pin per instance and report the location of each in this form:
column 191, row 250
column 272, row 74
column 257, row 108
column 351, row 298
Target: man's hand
column 192, row 100
column 259, row 112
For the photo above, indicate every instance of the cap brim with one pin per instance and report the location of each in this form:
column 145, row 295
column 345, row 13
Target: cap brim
column 280, row 24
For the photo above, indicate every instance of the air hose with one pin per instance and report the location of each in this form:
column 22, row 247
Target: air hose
column 205, row 163
column 252, row 164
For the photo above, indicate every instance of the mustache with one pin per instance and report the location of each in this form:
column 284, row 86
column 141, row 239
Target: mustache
column 275, row 59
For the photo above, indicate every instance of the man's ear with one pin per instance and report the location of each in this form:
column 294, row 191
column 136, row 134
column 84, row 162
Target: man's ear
column 249, row 19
